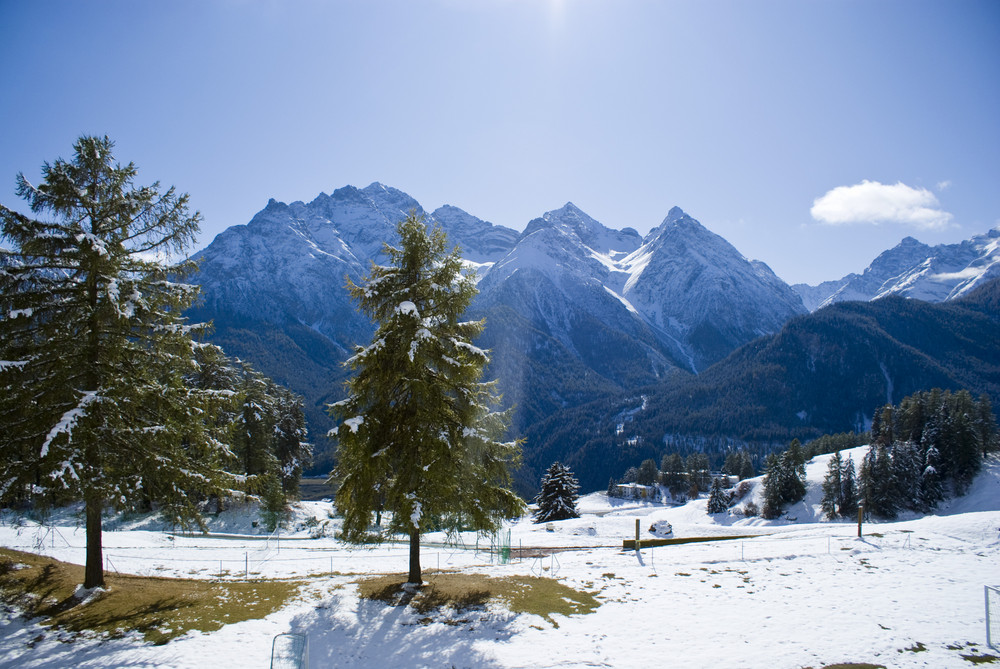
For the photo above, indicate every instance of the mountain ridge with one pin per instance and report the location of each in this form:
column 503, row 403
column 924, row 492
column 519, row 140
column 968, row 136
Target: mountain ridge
column 914, row 269
column 576, row 312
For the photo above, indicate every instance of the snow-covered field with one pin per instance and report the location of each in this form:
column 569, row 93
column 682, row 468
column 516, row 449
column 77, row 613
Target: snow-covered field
column 803, row 593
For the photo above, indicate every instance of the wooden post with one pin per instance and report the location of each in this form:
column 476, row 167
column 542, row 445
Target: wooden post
column 637, row 534
column 861, row 516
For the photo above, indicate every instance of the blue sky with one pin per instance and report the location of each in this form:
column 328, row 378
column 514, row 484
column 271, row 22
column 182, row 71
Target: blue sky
column 810, row 134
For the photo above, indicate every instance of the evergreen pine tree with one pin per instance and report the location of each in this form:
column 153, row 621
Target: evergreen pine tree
column 963, row 435
column 718, row 501
column 877, row 482
column 907, row 468
column 672, row 474
column 94, row 393
column 557, row 498
column 293, row 452
column 849, row 490
column 931, row 488
column 416, row 434
column 784, row 482
column 833, row 487
column 698, row 467
column 746, row 466
column 647, row 473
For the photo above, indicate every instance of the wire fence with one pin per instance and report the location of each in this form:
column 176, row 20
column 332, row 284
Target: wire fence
column 238, row 557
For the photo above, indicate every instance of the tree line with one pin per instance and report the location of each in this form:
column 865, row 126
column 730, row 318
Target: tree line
column 926, row 449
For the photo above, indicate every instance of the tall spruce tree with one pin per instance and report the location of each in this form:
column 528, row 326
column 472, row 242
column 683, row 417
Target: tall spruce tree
column 416, row 434
column 718, row 500
column 557, row 498
column 877, row 488
column 833, row 487
column 785, row 481
column 849, row 490
column 648, row 473
column 94, row 399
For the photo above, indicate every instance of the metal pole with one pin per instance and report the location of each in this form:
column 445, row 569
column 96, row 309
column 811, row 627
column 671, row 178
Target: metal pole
column 861, row 516
column 989, row 640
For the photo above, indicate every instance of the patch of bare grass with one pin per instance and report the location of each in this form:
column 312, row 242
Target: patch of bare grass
column 543, row 597
column 159, row 608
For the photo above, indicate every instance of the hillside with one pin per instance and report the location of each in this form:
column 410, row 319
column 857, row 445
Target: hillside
column 824, row 372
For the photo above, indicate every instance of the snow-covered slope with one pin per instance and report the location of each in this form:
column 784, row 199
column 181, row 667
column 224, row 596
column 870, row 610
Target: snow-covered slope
column 912, row 269
column 696, row 293
column 909, row 594
column 700, row 292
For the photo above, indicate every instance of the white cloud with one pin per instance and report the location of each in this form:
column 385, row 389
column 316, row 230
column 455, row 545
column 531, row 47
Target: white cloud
column 944, row 185
column 874, row 202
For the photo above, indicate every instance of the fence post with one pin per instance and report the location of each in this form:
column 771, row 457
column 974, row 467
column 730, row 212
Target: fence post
column 989, row 640
column 861, row 516
column 637, row 535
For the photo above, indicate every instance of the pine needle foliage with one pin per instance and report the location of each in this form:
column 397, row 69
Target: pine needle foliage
column 557, row 498
column 718, row 500
column 416, row 436
column 94, row 350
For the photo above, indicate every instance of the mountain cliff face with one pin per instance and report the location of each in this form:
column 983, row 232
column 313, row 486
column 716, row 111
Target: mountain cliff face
column 559, row 335
column 274, row 288
column 701, row 293
column 915, row 270
column 574, row 309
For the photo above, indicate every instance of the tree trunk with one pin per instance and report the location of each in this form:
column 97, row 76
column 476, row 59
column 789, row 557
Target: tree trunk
column 414, row 557
column 94, row 573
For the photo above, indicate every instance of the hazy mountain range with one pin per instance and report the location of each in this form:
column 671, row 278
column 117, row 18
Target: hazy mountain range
column 577, row 312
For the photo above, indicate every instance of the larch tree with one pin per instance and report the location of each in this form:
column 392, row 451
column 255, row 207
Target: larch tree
column 417, row 433
column 94, row 399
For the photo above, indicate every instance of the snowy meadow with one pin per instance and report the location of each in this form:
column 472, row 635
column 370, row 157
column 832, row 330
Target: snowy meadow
column 791, row 593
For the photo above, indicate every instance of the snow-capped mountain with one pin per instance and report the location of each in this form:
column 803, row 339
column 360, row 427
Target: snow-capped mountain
column 274, row 287
column 700, row 293
column 695, row 293
column 480, row 242
column 548, row 306
column 574, row 309
column 577, row 310
column 916, row 270
column 289, row 263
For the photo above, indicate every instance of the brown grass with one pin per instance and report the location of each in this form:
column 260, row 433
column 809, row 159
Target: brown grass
column 520, row 594
column 159, row 608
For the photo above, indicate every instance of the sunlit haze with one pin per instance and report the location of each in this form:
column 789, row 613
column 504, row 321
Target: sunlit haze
column 811, row 135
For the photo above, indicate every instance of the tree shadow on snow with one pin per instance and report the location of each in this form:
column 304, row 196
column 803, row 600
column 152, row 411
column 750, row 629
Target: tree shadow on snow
column 346, row 631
